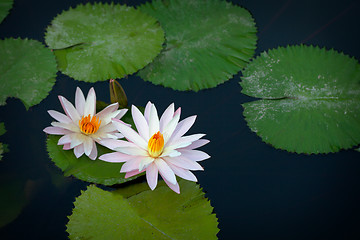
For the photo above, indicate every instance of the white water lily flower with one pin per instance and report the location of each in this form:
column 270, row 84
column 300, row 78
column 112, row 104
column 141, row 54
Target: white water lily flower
column 82, row 126
column 158, row 147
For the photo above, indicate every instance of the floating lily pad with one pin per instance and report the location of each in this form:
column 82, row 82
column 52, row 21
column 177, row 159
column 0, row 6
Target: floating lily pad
column 27, row 71
column 207, row 42
column 310, row 99
column 158, row 214
column 3, row 147
column 102, row 41
column 5, row 6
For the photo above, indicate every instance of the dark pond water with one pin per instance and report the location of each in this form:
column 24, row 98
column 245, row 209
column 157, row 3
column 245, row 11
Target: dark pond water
column 258, row 192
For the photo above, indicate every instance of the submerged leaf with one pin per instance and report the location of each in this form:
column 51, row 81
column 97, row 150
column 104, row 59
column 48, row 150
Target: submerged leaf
column 102, row 41
column 3, row 147
column 310, row 99
column 5, row 6
column 27, row 71
column 139, row 213
column 207, row 42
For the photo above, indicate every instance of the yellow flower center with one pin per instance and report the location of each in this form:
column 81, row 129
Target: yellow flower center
column 89, row 125
column 156, row 145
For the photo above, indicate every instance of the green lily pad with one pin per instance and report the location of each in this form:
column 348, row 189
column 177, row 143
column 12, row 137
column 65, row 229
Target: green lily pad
column 102, row 41
column 27, row 71
column 207, row 42
column 158, row 214
column 310, row 99
column 3, row 147
column 5, row 6
column 94, row 171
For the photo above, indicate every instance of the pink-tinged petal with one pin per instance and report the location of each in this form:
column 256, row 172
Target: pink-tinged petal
column 76, row 139
column 106, row 128
column 169, row 129
column 79, row 150
column 165, row 171
column 121, row 113
column 88, row 145
column 79, row 101
column 56, row 131
column 67, row 147
column 113, row 143
column 133, row 173
column 59, row 116
column 109, row 109
column 182, row 127
column 183, row 173
column 174, row 187
column 183, row 162
column 140, row 123
column 145, row 162
column 154, row 123
column 185, row 141
column 131, row 164
column 90, row 103
column 152, row 176
column 64, row 139
column 115, row 157
column 69, row 126
column 93, row 153
column 197, row 144
column 194, row 155
column 69, row 109
column 166, row 117
column 147, row 111
column 134, row 151
column 130, row 134
column 178, row 111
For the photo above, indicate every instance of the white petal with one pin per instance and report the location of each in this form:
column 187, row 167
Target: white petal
column 65, row 139
column 112, row 143
column 115, row 157
column 169, row 129
column 69, row 126
column 90, row 103
column 133, row 173
column 170, row 152
column 109, row 109
column 59, row 116
column 145, row 162
column 194, row 155
column 56, row 131
column 147, row 111
column 79, row 101
column 174, row 187
column 106, row 128
column 140, row 123
column 88, row 145
column 93, row 153
column 121, row 113
column 152, row 176
column 135, row 151
column 79, row 150
column 132, row 164
column 154, row 123
column 197, row 144
column 165, row 171
column 185, row 141
column 166, row 117
column 183, row 162
column 76, row 139
column 130, row 134
column 182, row 128
column 183, row 173
column 69, row 109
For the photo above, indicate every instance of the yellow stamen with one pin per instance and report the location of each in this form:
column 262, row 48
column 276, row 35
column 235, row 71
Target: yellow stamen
column 156, row 145
column 89, row 125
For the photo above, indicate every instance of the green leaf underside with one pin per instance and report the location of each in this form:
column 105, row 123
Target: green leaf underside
column 158, row 214
column 94, row 171
column 5, row 6
column 207, row 42
column 310, row 99
column 103, row 41
column 27, row 71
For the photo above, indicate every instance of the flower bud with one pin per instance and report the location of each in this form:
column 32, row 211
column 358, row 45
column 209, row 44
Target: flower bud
column 117, row 94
